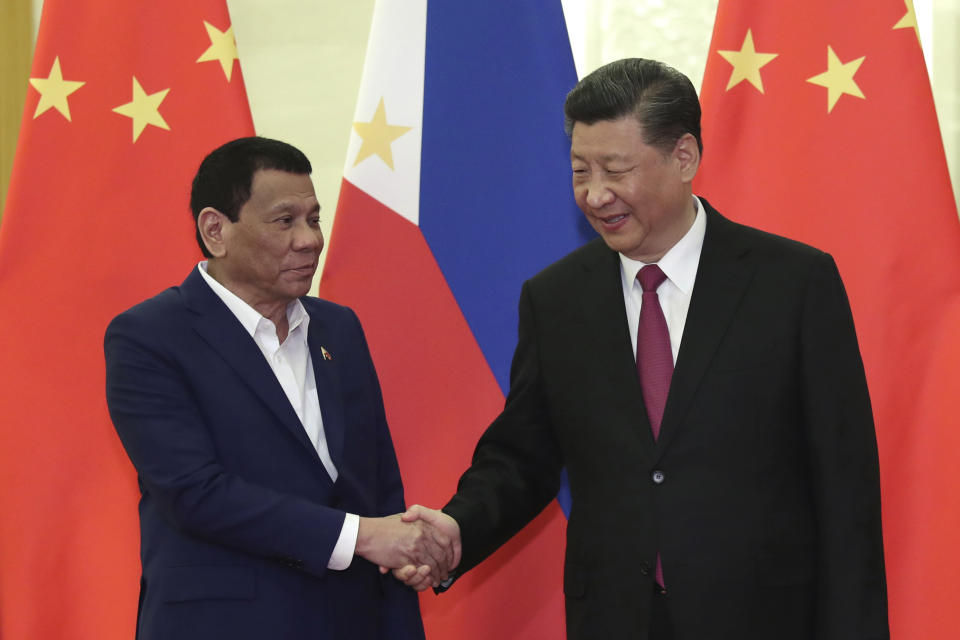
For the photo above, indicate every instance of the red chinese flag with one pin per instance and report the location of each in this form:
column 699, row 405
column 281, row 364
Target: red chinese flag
column 819, row 125
column 125, row 99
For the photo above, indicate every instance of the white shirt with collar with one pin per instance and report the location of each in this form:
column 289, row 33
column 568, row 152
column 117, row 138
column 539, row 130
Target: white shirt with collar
column 292, row 364
column 679, row 264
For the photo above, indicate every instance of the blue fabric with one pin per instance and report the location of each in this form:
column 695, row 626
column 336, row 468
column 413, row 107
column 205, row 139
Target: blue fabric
column 496, row 204
column 238, row 517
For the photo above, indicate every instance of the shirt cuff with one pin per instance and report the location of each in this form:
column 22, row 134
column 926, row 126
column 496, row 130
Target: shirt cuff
column 342, row 554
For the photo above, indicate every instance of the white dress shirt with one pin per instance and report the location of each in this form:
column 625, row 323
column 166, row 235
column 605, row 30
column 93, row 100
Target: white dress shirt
column 679, row 264
column 292, row 364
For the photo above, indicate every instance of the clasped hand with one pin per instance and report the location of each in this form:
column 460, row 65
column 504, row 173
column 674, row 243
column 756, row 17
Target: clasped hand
column 421, row 546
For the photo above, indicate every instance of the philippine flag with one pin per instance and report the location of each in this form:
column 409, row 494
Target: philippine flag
column 456, row 189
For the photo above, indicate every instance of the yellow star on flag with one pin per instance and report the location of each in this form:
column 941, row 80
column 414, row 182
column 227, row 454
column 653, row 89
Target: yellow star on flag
column 909, row 19
column 144, row 109
column 54, row 91
column 747, row 63
column 223, row 48
column 377, row 136
column 838, row 78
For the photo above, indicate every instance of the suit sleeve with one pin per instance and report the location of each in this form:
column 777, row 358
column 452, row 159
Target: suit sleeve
column 515, row 471
column 159, row 422
column 844, row 461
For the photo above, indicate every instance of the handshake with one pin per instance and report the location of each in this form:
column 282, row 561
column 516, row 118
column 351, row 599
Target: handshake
column 421, row 546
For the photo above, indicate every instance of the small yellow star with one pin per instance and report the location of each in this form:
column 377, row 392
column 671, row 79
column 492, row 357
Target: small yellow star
column 144, row 109
column 223, row 48
column 909, row 19
column 747, row 63
column 377, row 136
column 838, row 78
column 54, row 91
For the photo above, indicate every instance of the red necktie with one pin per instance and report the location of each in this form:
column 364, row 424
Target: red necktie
column 654, row 356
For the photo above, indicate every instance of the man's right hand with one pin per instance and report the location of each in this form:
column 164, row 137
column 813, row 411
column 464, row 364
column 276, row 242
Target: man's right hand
column 446, row 534
column 419, row 545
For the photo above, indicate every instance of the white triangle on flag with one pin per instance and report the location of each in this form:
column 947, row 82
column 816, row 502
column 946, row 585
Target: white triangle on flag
column 392, row 72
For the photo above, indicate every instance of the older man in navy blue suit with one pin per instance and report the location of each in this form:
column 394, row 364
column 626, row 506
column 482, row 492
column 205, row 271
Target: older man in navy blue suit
column 254, row 418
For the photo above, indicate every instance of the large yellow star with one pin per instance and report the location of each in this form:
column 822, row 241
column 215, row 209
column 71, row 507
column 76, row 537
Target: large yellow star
column 144, row 109
column 377, row 136
column 838, row 78
column 223, row 48
column 909, row 19
column 747, row 63
column 54, row 91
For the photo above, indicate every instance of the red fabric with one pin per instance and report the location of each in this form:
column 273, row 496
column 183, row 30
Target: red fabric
column 94, row 222
column 866, row 181
column 654, row 355
column 440, row 395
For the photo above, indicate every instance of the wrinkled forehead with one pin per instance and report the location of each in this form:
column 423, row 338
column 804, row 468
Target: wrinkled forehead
column 273, row 189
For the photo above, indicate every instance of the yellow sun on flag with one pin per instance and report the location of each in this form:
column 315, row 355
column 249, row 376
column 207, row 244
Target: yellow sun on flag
column 377, row 136
column 838, row 78
column 54, row 91
column 747, row 63
column 223, row 48
column 909, row 19
column 144, row 109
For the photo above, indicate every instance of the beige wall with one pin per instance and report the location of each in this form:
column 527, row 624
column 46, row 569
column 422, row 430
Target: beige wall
column 945, row 75
column 302, row 61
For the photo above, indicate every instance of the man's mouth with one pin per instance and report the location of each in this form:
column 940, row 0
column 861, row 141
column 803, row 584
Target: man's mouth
column 307, row 268
column 611, row 220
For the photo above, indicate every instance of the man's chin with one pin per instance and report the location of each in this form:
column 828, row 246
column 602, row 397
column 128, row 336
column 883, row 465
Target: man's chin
column 299, row 288
column 616, row 242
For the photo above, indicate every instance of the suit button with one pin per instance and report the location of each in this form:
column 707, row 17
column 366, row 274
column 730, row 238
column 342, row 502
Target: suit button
column 644, row 569
column 658, row 477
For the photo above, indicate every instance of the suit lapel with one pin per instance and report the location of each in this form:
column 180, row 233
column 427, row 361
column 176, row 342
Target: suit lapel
column 225, row 335
column 602, row 302
column 328, row 389
column 722, row 279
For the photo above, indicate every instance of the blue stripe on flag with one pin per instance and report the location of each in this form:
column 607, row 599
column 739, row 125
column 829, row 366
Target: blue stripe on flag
column 496, row 205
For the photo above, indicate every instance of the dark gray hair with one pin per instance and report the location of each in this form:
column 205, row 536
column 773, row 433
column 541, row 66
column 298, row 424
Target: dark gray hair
column 661, row 98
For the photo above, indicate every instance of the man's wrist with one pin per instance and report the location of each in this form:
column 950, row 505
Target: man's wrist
column 346, row 546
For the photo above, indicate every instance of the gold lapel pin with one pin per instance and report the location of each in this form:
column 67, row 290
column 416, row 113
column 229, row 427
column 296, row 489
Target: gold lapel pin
column 326, row 354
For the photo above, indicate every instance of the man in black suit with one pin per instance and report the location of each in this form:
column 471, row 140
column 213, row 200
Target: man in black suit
column 723, row 466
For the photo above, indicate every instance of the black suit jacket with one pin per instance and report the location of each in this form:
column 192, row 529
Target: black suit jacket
column 238, row 516
column 767, row 512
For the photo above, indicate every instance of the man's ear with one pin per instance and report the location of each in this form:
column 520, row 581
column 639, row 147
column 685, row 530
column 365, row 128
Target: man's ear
column 687, row 154
column 211, row 224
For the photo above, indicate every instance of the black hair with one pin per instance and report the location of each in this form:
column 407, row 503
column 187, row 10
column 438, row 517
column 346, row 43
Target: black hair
column 661, row 98
column 225, row 176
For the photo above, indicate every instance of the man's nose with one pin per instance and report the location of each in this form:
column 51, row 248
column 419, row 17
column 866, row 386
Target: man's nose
column 307, row 237
column 598, row 193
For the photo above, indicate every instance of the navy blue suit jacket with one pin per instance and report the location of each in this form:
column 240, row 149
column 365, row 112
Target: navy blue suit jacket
column 238, row 516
